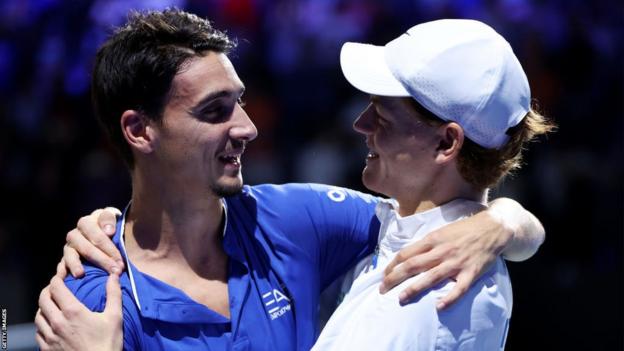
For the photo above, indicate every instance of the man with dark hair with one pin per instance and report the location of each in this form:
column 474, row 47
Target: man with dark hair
column 449, row 117
column 137, row 65
column 211, row 263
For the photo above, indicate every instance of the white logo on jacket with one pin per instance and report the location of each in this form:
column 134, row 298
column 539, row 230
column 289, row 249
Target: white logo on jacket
column 337, row 195
column 276, row 303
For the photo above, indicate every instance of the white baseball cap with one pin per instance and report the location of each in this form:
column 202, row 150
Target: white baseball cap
column 460, row 70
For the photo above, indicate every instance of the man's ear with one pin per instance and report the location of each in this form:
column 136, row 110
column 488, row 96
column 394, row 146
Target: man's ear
column 451, row 140
column 138, row 131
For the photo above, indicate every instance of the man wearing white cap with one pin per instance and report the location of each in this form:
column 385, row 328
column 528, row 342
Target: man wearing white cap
column 449, row 115
column 275, row 247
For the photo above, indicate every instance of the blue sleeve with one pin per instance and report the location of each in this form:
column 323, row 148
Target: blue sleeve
column 335, row 227
column 91, row 291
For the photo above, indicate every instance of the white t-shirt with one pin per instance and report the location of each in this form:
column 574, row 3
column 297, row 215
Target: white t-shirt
column 367, row 320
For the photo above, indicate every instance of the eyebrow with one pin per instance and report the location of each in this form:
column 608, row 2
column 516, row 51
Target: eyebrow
column 378, row 101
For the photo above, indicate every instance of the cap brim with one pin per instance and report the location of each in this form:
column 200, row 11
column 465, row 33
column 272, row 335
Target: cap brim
column 364, row 66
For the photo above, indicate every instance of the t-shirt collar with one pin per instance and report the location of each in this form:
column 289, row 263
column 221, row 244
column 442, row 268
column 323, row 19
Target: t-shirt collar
column 416, row 226
column 158, row 300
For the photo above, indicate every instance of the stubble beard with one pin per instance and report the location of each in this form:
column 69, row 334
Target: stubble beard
column 226, row 190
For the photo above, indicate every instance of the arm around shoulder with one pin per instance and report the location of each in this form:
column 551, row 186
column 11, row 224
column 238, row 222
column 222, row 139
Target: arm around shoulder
column 527, row 233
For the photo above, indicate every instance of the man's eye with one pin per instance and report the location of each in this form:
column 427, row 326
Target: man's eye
column 213, row 110
column 381, row 120
column 217, row 113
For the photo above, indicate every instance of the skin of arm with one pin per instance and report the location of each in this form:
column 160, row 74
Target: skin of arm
column 461, row 251
column 527, row 233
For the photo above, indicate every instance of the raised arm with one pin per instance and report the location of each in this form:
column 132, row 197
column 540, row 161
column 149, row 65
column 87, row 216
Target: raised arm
column 463, row 250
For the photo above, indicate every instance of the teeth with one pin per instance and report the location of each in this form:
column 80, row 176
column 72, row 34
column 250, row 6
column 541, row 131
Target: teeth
column 232, row 159
column 371, row 155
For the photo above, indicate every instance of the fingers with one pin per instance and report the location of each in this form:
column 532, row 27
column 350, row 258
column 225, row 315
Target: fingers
column 45, row 345
column 45, row 336
column 85, row 248
column 107, row 219
column 114, row 210
column 64, row 299
column 71, row 260
column 426, row 281
column 50, row 311
column 61, row 269
column 113, row 309
column 113, row 296
column 408, row 252
column 46, row 305
column 90, row 227
column 455, row 294
column 409, row 268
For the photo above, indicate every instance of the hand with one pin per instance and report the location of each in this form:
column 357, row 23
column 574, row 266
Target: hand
column 64, row 323
column 91, row 240
column 462, row 251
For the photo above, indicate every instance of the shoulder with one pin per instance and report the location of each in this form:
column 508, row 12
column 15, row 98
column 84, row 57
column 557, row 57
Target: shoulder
column 481, row 316
column 307, row 202
column 477, row 321
column 91, row 290
column 316, row 203
column 309, row 190
column 492, row 288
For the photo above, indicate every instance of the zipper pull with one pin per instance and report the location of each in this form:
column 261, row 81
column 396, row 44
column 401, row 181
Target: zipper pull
column 375, row 257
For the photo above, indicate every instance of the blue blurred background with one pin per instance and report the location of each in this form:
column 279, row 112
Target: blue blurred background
column 55, row 165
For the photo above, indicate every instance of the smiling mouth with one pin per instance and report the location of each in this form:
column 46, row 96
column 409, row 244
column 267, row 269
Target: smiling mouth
column 233, row 160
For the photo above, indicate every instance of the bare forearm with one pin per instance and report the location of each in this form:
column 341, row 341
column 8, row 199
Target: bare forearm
column 527, row 231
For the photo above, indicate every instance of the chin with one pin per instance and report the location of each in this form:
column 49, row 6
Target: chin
column 370, row 182
column 228, row 188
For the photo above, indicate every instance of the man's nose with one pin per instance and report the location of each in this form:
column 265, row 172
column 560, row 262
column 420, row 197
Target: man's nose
column 244, row 128
column 365, row 123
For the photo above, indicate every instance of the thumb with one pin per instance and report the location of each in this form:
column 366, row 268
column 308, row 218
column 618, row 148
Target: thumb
column 107, row 220
column 113, row 295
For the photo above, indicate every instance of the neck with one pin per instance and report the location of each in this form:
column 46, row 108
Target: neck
column 443, row 189
column 167, row 222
